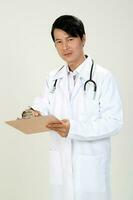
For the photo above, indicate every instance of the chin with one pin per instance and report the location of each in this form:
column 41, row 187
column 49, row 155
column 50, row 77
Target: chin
column 68, row 60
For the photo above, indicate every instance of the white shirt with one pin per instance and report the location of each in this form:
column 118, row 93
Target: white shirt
column 73, row 76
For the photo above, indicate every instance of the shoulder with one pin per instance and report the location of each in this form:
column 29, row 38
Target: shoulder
column 99, row 71
column 103, row 72
column 105, row 77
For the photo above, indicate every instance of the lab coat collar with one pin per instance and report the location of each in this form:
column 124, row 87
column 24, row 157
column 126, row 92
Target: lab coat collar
column 60, row 73
column 84, row 69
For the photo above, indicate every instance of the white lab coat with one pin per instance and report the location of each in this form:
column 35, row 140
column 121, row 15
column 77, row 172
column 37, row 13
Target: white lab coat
column 80, row 163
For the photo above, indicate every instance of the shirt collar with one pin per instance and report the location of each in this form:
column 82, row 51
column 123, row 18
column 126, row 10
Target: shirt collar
column 77, row 70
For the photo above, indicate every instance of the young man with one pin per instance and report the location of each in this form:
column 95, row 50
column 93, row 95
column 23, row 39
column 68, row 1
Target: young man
column 90, row 113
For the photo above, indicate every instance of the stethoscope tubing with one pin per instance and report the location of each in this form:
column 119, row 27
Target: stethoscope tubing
column 91, row 80
column 85, row 84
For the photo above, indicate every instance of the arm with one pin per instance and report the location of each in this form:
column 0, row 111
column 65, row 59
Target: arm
column 40, row 106
column 42, row 103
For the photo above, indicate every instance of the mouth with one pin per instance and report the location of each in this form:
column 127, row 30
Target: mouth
column 67, row 54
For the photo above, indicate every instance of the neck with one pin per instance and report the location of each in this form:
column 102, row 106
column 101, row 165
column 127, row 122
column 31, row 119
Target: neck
column 74, row 65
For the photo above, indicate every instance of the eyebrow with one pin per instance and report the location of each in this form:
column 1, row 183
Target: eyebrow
column 57, row 39
column 65, row 37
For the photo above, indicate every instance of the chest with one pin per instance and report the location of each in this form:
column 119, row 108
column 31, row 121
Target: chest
column 79, row 105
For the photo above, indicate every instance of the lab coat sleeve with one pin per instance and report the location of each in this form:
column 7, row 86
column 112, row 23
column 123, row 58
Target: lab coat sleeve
column 108, row 122
column 41, row 103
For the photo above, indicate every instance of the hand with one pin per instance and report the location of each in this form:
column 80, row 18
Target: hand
column 62, row 127
column 28, row 113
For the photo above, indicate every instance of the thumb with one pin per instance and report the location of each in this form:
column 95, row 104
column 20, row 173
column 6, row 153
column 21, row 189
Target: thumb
column 64, row 120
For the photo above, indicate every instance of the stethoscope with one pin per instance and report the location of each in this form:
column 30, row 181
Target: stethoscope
column 85, row 84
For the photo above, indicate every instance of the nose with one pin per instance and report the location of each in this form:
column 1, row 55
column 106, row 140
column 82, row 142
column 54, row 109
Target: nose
column 65, row 45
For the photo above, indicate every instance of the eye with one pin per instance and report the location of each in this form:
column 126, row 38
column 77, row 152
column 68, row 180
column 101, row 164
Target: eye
column 70, row 39
column 58, row 42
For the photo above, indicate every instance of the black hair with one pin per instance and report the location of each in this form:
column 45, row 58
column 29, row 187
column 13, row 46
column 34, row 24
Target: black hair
column 70, row 24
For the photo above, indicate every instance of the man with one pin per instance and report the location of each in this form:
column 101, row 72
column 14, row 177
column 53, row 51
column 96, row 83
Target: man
column 90, row 113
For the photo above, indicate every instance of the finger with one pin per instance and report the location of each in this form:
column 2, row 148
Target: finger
column 57, row 129
column 55, row 126
column 36, row 114
column 64, row 120
column 55, row 122
column 63, row 134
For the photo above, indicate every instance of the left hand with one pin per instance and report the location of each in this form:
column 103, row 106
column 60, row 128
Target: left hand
column 62, row 127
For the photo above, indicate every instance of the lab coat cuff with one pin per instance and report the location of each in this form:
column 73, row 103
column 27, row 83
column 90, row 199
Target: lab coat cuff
column 73, row 128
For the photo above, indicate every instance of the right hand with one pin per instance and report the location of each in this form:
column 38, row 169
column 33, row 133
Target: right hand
column 29, row 113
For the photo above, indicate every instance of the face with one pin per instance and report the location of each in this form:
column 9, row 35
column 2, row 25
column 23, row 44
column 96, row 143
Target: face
column 69, row 48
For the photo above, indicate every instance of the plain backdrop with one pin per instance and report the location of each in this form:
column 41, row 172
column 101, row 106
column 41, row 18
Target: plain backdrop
column 27, row 54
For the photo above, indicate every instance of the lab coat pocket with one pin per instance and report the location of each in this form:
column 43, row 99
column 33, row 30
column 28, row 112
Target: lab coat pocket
column 90, row 110
column 55, row 168
column 91, row 173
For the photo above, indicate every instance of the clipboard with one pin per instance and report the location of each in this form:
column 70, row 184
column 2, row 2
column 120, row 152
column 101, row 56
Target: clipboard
column 34, row 124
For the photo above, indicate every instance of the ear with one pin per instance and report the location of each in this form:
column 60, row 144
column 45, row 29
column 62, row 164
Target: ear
column 84, row 39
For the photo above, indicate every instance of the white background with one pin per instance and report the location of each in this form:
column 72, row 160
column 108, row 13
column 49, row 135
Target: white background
column 27, row 54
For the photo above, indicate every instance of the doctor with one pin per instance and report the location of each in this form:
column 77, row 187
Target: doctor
column 89, row 115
